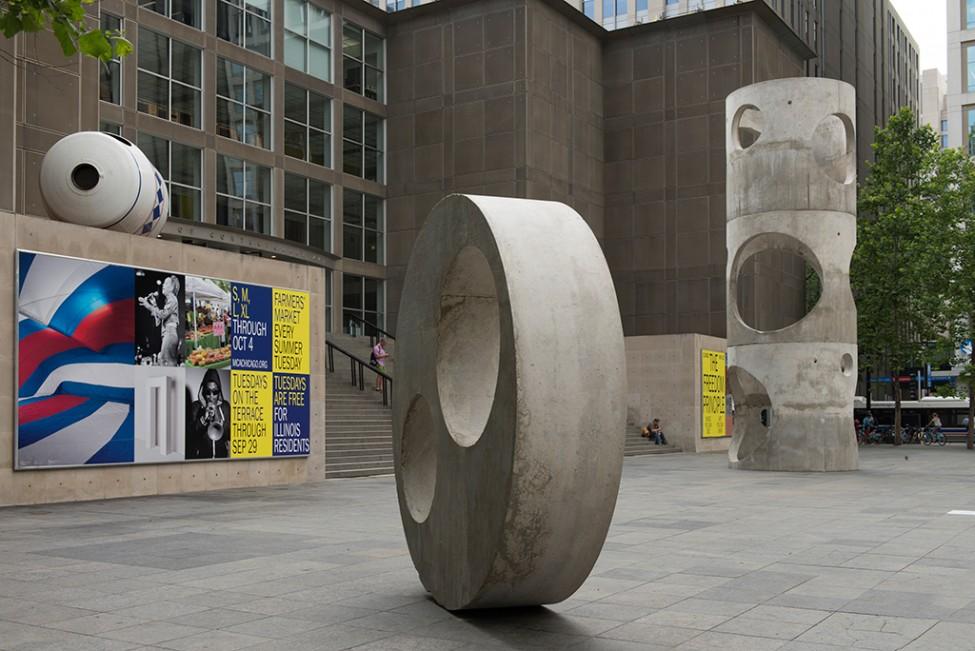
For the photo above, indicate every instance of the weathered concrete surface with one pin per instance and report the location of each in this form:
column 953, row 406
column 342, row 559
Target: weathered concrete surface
column 792, row 187
column 508, row 423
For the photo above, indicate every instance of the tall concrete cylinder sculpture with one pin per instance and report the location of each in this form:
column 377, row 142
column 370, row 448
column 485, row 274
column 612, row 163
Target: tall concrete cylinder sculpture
column 791, row 179
column 508, row 408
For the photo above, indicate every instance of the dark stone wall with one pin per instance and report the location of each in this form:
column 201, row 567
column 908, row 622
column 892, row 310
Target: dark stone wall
column 519, row 98
column 665, row 171
column 496, row 97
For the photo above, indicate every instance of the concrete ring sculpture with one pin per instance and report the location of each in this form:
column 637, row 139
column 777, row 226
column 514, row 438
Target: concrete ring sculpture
column 508, row 410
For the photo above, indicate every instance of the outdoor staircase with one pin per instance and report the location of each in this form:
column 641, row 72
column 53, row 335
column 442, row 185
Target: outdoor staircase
column 637, row 446
column 358, row 428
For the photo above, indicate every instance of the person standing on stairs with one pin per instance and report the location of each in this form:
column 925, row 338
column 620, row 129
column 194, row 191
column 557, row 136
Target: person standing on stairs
column 377, row 358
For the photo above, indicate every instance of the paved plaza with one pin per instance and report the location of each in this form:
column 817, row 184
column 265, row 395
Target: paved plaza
column 699, row 557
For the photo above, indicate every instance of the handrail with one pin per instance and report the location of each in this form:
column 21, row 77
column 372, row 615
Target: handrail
column 375, row 329
column 356, row 367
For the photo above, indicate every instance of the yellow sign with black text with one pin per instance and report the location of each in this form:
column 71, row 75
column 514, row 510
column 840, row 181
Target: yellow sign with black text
column 291, row 318
column 251, row 404
column 713, row 421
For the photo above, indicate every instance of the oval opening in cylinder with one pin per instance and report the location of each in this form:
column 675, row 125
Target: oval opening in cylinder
column 468, row 346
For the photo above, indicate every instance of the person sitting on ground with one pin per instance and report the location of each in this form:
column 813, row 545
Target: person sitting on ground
column 657, row 432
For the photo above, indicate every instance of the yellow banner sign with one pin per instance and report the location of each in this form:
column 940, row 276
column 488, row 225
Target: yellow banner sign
column 291, row 331
column 251, row 416
column 713, row 422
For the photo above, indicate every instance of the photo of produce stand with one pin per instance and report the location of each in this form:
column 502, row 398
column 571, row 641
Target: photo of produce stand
column 207, row 342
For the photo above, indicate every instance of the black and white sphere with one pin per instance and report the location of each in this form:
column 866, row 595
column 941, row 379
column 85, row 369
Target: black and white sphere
column 104, row 181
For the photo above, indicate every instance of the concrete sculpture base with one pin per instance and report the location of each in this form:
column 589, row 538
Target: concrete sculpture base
column 792, row 187
column 508, row 409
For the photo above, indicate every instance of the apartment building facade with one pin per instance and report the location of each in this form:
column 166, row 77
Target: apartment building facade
column 323, row 130
column 961, row 74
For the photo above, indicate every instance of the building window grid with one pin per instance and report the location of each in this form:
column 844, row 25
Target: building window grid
column 328, row 300
column 110, row 73
column 308, row 39
column 363, row 140
column 308, row 212
column 180, row 93
column 243, row 195
column 246, row 23
column 363, row 225
column 363, row 62
column 243, row 103
column 307, row 125
column 188, row 12
column 181, row 166
column 363, row 297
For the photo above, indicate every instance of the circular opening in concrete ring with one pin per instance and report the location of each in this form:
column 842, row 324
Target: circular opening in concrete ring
column 846, row 364
column 747, row 126
column 468, row 346
column 834, row 147
column 418, row 459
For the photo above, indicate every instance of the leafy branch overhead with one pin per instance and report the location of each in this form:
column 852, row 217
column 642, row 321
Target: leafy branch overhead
column 66, row 19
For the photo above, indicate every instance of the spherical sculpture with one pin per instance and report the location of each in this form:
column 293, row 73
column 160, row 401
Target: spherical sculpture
column 104, row 181
column 508, row 412
column 792, row 188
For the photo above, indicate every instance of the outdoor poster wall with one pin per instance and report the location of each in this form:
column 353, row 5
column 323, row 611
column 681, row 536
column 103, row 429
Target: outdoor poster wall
column 121, row 365
column 713, row 403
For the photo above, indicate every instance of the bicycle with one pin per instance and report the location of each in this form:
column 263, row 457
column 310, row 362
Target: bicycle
column 934, row 435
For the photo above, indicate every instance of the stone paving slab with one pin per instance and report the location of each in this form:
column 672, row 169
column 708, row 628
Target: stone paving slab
column 699, row 557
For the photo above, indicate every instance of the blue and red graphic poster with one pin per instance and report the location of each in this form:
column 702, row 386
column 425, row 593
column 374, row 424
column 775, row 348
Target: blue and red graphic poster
column 119, row 365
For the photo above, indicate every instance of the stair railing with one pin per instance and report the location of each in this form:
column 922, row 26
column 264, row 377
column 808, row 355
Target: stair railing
column 373, row 330
column 357, row 369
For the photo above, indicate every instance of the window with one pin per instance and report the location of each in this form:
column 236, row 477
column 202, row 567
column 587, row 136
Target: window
column 969, row 126
column 362, row 297
column 395, row 5
column 246, row 23
column 362, row 226
column 969, row 14
column 969, row 67
column 308, row 38
column 589, row 8
column 182, row 167
column 642, row 6
column 307, row 212
column 363, row 61
column 187, row 12
column 169, row 79
column 307, row 125
column 110, row 127
column 328, row 300
column 362, row 146
column 243, row 195
column 110, row 72
column 243, row 103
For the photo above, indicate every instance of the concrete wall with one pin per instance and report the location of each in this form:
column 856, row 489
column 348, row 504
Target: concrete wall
column 41, row 486
column 494, row 97
column 663, row 379
column 665, row 169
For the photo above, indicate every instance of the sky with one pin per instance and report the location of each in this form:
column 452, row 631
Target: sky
column 927, row 22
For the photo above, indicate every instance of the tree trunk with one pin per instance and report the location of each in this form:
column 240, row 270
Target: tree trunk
column 868, row 388
column 897, row 409
column 971, row 399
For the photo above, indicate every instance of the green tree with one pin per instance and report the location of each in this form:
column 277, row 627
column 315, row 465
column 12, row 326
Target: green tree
column 961, row 284
column 902, row 260
column 66, row 19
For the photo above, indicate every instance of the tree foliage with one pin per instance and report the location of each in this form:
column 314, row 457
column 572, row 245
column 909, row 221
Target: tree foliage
column 66, row 19
column 901, row 266
column 960, row 288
